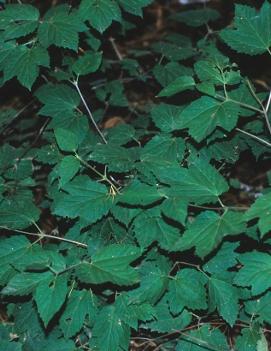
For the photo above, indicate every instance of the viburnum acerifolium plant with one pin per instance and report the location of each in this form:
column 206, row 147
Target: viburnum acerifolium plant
column 125, row 224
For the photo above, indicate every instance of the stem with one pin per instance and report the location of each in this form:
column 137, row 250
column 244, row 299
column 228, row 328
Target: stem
column 115, row 48
column 234, row 208
column 38, row 136
column 221, row 203
column 246, row 105
column 268, row 102
column 225, row 91
column 102, row 176
column 17, row 114
column 253, row 93
column 189, row 265
column 250, row 107
column 43, row 235
column 267, row 121
column 254, row 137
column 264, row 109
column 75, row 83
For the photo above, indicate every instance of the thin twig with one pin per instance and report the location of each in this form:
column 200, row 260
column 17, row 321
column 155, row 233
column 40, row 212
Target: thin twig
column 21, row 157
column 102, row 176
column 221, row 203
column 75, row 83
column 234, row 208
column 264, row 109
column 254, row 93
column 191, row 265
column 268, row 102
column 17, row 114
column 114, row 46
column 254, row 137
column 242, row 104
column 43, row 235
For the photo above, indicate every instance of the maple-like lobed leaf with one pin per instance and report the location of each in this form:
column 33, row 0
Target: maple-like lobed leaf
column 251, row 33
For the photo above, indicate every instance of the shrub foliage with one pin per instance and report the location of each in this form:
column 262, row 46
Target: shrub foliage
column 131, row 157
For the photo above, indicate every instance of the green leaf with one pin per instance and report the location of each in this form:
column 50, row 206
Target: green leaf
column 260, row 308
column 54, row 343
column 83, row 198
column 121, row 134
column 200, row 182
column 261, row 209
column 14, row 215
column 138, row 193
column 18, row 20
column 182, row 49
column 206, row 88
column 132, row 313
column 243, row 95
column 79, row 305
column 204, row 115
column 149, row 227
column 165, row 322
column 25, row 283
column 100, row 13
column 59, row 100
column 88, row 63
column 12, row 248
column 224, row 151
column 166, row 117
column 248, row 340
column 169, row 72
column 74, row 122
column 34, row 258
column 158, row 153
column 196, row 18
column 251, row 33
column 224, row 297
column 113, row 93
column 153, row 281
column 177, row 86
column 93, row 42
column 134, row 6
column 187, row 290
column 256, row 272
column 50, row 296
column 175, row 208
column 110, row 264
column 7, row 273
column 109, row 332
column 118, row 158
column 60, row 27
column 159, row 150
column 203, row 339
column 225, row 258
column 67, row 169
column 10, row 345
column 217, row 70
column 66, row 139
column 208, row 230
column 124, row 214
column 23, row 62
column 262, row 344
